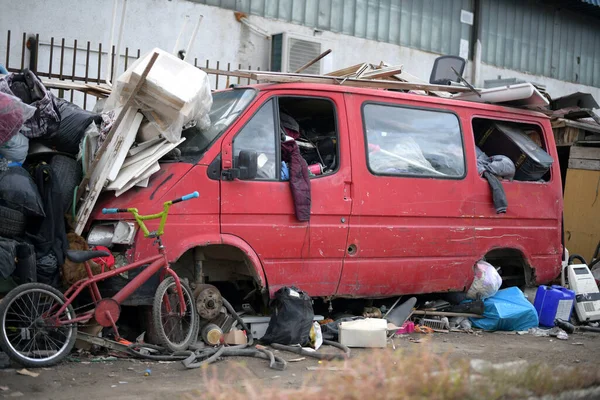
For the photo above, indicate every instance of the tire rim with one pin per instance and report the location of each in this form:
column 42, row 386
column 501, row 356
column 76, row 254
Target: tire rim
column 34, row 324
column 173, row 318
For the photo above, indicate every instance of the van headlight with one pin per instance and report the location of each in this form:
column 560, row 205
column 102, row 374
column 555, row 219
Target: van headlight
column 109, row 233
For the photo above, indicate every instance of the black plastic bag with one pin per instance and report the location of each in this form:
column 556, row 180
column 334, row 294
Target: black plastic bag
column 47, row 270
column 73, row 123
column 26, row 264
column 19, row 192
column 292, row 318
column 8, row 254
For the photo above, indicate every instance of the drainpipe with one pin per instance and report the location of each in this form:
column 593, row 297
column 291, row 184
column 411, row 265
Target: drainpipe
column 476, row 44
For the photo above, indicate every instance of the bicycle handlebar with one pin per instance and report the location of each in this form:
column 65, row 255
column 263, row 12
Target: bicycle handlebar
column 162, row 215
column 190, row 196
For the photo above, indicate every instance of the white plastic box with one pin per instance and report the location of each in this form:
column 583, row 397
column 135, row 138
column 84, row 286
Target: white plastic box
column 368, row 332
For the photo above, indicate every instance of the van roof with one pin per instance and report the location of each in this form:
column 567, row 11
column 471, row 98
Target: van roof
column 395, row 95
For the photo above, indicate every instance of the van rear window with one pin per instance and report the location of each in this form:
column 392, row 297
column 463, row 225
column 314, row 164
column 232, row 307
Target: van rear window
column 413, row 142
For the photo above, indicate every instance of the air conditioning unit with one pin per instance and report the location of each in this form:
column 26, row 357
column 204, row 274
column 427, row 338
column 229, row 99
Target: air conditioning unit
column 291, row 51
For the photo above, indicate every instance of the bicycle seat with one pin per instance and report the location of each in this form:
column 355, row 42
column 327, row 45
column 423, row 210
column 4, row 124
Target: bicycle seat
column 80, row 256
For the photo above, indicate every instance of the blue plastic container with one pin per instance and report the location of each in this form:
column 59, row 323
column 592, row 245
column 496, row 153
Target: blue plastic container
column 553, row 302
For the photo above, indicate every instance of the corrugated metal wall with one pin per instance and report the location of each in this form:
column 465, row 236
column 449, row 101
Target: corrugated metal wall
column 523, row 35
column 528, row 36
column 430, row 25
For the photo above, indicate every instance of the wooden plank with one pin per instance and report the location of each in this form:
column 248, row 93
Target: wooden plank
column 152, row 169
column 98, row 90
column 364, row 83
column 95, row 186
column 235, row 74
column 143, row 145
column 385, row 72
column 314, row 60
column 590, row 165
column 128, row 139
column 582, row 211
column 585, row 153
column 576, row 124
column 353, row 70
column 566, row 135
column 113, row 129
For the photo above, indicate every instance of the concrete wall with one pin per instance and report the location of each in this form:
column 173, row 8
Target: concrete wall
column 156, row 23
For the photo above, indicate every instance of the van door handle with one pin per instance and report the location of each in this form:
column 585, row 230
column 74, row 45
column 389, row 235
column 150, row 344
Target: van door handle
column 347, row 191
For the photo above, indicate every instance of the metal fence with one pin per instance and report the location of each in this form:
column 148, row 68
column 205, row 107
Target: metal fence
column 75, row 61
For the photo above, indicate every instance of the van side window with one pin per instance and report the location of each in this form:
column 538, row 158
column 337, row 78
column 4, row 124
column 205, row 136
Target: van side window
column 259, row 135
column 413, row 142
column 512, row 150
column 312, row 124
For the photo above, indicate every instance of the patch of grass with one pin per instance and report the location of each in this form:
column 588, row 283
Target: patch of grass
column 382, row 374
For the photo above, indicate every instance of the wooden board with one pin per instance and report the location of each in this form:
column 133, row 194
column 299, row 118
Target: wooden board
column 103, row 156
column 384, row 72
column 128, row 139
column 590, row 165
column 102, row 168
column 582, row 211
column 586, row 153
column 143, row 145
column 365, row 83
column 154, row 168
column 144, row 153
column 83, row 186
column 349, row 71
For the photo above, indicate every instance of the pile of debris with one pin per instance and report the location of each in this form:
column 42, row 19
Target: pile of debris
column 56, row 158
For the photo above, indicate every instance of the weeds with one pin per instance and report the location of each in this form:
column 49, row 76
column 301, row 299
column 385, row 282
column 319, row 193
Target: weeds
column 401, row 375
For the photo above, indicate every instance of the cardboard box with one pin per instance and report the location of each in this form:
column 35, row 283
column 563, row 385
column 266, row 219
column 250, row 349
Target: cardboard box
column 235, row 337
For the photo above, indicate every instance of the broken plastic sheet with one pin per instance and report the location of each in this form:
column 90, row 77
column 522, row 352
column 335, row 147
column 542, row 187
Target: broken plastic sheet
column 415, row 154
column 175, row 94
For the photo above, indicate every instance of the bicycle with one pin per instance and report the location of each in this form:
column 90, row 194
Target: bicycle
column 38, row 322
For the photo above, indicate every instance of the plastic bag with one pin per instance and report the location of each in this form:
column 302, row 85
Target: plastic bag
column 13, row 113
column 19, row 192
column 316, row 336
column 508, row 310
column 8, row 254
column 174, row 94
column 292, row 318
column 73, row 125
column 15, row 149
column 30, row 89
column 486, row 283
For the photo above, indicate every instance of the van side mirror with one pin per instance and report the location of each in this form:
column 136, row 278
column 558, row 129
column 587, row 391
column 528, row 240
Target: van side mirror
column 246, row 167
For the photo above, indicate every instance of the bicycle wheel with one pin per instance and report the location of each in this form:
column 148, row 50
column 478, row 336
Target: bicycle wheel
column 173, row 331
column 27, row 334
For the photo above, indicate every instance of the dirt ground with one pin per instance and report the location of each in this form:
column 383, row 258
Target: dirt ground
column 124, row 379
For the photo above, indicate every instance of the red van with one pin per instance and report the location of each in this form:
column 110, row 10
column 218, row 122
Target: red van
column 397, row 203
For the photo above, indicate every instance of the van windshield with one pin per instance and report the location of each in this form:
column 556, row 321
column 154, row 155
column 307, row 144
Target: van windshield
column 227, row 106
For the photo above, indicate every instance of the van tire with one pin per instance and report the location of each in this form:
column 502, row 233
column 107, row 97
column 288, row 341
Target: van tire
column 13, row 222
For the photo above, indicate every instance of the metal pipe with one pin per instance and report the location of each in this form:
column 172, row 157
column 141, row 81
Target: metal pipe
column 118, row 49
column 476, row 43
column 193, row 38
column 110, row 44
column 185, row 21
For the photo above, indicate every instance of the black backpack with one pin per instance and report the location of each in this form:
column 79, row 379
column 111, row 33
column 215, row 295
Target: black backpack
column 291, row 319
